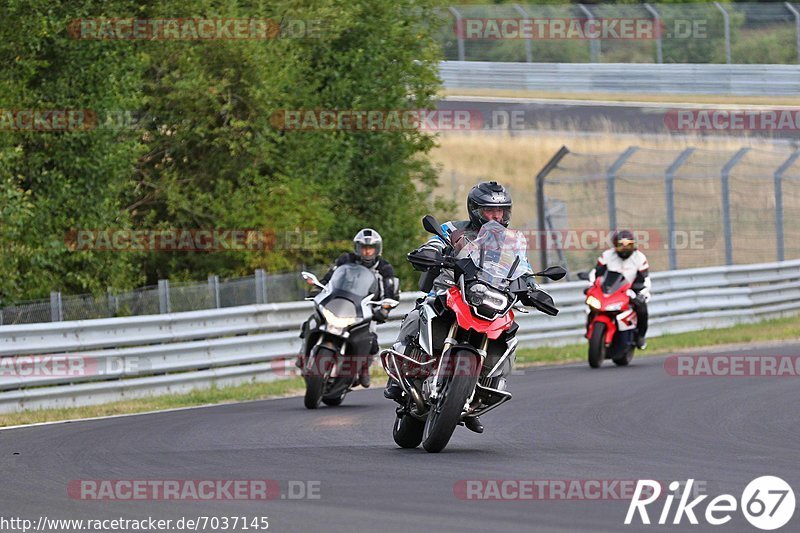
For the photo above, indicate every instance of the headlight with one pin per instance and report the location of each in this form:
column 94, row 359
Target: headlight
column 339, row 322
column 480, row 294
column 614, row 307
column 593, row 302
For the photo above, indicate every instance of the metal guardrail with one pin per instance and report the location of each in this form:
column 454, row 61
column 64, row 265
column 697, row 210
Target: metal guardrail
column 717, row 79
column 122, row 358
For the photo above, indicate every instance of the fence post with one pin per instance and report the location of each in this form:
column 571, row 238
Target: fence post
column 213, row 288
column 261, row 286
column 528, row 47
column 611, row 176
column 56, row 310
column 796, row 14
column 669, row 190
column 594, row 44
column 726, row 203
column 113, row 302
column 779, row 202
column 658, row 28
column 163, row 296
column 727, row 20
column 542, row 207
column 459, row 32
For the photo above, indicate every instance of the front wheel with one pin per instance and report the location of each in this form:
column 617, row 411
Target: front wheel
column 445, row 415
column 317, row 376
column 597, row 345
column 407, row 431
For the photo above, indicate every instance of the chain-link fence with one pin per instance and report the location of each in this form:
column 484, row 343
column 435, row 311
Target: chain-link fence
column 689, row 208
column 707, row 32
column 165, row 297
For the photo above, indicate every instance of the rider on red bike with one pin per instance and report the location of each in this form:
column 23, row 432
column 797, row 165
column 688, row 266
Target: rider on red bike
column 627, row 260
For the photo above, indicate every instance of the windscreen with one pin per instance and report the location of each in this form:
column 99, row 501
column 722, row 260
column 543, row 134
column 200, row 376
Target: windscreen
column 355, row 279
column 612, row 281
column 501, row 254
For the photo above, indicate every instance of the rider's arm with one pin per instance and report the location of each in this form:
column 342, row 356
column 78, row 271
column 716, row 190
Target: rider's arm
column 387, row 273
column 641, row 285
column 598, row 271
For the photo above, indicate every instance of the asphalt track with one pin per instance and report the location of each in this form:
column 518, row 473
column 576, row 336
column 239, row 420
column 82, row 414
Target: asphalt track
column 598, row 116
column 564, row 423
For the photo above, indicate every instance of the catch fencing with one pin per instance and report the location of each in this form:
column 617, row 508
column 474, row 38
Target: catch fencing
column 689, row 208
column 124, row 358
column 166, row 297
column 707, row 32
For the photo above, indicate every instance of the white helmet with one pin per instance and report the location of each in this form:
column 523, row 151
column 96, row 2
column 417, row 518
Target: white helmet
column 368, row 237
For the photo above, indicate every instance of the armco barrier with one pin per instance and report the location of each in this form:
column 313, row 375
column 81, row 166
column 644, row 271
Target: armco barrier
column 177, row 352
column 646, row 78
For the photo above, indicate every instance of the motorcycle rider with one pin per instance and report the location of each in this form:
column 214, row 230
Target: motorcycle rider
column 368, row 246
column 487, row 201
column 626, row 259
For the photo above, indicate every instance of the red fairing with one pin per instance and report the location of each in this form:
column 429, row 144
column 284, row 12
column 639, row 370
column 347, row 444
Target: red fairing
column 492, row 328
column 620, row 295
column 611, row 327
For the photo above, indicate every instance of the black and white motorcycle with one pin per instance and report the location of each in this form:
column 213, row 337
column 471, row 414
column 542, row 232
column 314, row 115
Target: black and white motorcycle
column 340, row 333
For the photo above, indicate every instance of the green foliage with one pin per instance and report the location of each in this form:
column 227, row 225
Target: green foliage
column 203, row 152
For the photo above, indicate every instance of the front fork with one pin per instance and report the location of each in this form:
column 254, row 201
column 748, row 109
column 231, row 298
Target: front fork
column 449, row 342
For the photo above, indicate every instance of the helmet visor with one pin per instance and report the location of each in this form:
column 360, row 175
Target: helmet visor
column 625, row 246
column 488, row 213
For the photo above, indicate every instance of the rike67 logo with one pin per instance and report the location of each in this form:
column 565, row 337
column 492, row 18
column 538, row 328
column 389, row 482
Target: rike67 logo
column 767, row 503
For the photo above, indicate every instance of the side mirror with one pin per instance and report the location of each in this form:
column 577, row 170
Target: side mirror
column 432, row 225
column 554, row 272
column 583, row 275
column 311, row 279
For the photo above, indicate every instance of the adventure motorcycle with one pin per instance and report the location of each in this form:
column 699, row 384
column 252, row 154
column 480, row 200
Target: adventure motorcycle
column 339, row 337
column 454, row 366
column 612, row 320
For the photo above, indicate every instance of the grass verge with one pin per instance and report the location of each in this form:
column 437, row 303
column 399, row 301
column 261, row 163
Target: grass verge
column 626, row 97
column 785, row 329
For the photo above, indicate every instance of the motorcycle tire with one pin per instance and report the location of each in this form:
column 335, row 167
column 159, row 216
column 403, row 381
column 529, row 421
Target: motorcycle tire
column 407, row 431
column 446, row 414
column 318, row 377
column 597, row 346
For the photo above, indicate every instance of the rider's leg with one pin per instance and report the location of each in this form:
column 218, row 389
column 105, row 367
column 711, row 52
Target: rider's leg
column 408, row 330
column 641, row 324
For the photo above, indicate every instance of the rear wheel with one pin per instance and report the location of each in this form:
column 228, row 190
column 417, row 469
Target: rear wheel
column 407, row 431
column 317, row 376
column 625, row 357
column 445, row 415
column 597, row 345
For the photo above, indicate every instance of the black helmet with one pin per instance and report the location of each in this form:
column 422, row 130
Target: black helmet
column 624, row 243
column 371, row 238
column 484, row 195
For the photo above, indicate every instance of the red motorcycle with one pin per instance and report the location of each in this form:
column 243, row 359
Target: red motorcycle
column 612, row 320
column 454, row 367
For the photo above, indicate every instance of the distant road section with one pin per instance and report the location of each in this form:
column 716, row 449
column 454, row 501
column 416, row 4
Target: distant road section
column 631, row 117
